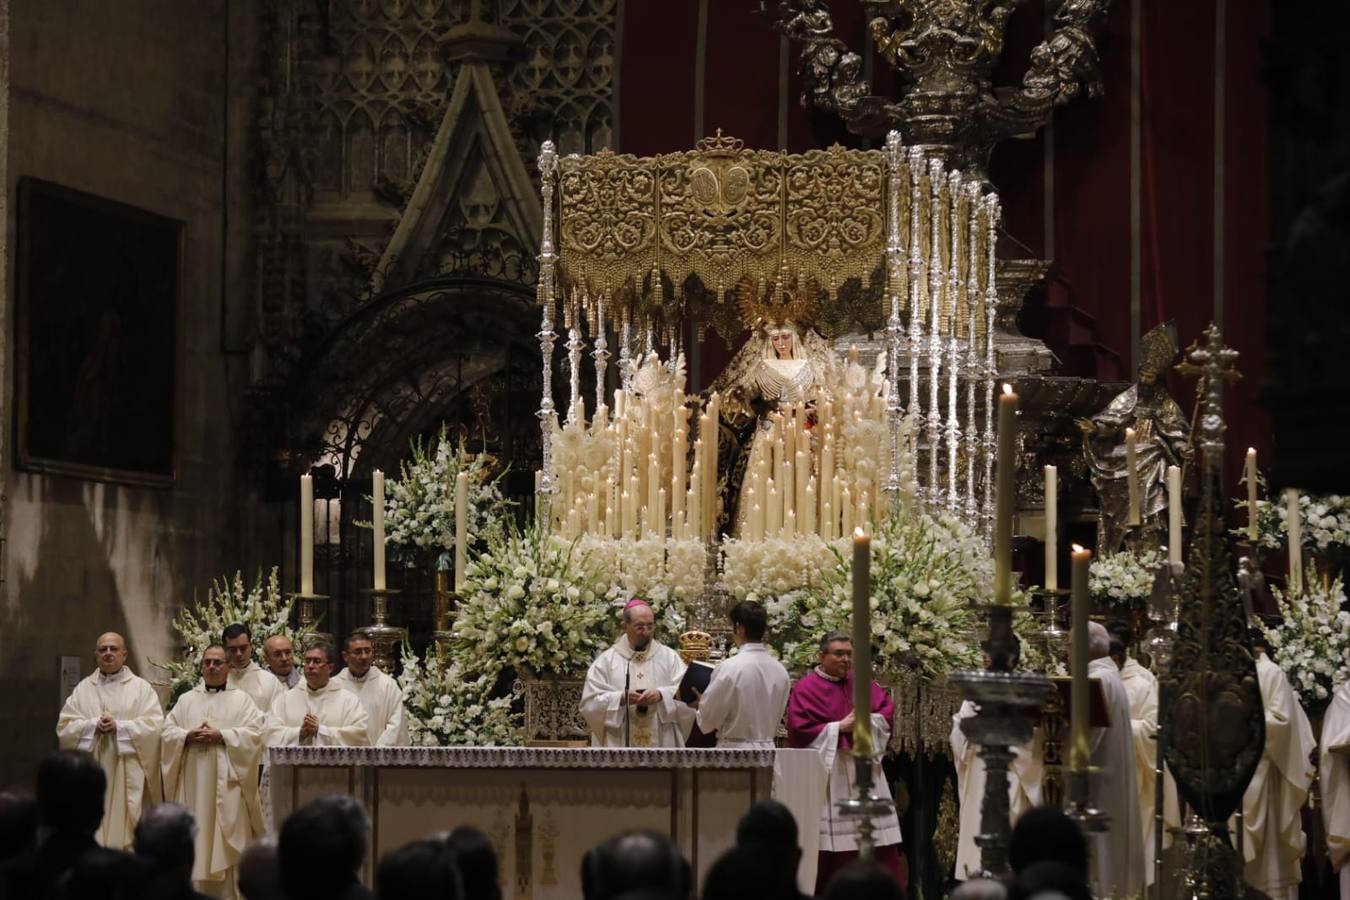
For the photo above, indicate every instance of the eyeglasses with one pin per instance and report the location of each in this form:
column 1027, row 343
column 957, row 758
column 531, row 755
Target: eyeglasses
column 651, row 627
column 213, row 663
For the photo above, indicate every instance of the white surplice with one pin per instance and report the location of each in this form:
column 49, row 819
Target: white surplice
column 1118, row 853
column 1141, row 686
column 1334, row 774
column 745, row 699
column 217, row 782
column 383, row 702
column 129, row 757
column 259, row 684
column 1273, row 837
column 603, row 704
column 1024, row 788
column 342, row 719
column 839, row 833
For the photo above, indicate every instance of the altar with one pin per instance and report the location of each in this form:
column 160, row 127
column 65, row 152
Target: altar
column 542, row 808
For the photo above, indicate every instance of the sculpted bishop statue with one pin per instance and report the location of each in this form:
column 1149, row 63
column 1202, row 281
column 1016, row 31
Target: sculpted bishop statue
column 1162, row 438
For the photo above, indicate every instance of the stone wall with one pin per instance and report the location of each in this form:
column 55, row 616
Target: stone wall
column 128, row 101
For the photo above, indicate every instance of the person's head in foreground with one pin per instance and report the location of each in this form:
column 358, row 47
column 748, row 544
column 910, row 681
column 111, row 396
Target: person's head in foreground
column 863, row 880
column 1045, row 833
column 632, row 862
column 423, row 868
column 321, row 848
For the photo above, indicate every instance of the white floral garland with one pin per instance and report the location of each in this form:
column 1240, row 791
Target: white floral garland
column 775, row 567
column 1311, row 643
column 1325, row 523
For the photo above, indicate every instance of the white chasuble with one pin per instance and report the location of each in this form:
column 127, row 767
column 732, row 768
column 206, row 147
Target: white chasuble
column 1273, row 838
column 1024, row 788
column 1141, row 686
column 129, row 757
column 383, row 702
column 342, row 719
column 217, row 782
column 1118, row 852
column 604, row 704
column 1334, row 773
column 745, row 699
column 259, row 684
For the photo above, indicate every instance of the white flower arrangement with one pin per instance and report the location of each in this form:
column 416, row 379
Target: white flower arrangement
column 1035, row 654
column 1123, row 579
column 1325, row 523
column 445, row 707
column 529, row 602
column 1311, row 643
column 419, row 506
column 263, row 608
column 928, row 574
column 775, row 567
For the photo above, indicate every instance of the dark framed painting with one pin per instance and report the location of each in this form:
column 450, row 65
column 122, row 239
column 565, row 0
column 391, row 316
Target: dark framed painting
column 99, row 289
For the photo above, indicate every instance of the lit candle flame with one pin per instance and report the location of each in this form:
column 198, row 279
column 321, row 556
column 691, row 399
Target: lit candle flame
column 1007, row 388
column 1077, row 548
column 858, row 533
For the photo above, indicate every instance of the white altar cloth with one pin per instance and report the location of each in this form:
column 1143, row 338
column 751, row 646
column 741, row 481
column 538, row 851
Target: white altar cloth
column 543, row 807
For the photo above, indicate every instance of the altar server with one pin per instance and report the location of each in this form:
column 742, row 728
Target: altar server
column 116, row 716
column 1024, row 788
column 1118, row 852
column 820, row 717
column 1335, row 778
column 746, row 697
column 318, row 713
column 1273, row 838
column 260, row 685
column 212, row 745
column 648, row 715
column 379, row 694
column 1141, row 686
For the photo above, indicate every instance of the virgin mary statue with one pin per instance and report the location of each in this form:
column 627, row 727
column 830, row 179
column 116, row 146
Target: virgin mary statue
column 784, row 364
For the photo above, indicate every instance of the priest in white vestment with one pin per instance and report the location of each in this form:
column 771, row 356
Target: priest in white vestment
column 648, row 715
column 261, row 686
column 1117, row 853
column 379, row 694
column 821, row 717
column 317, row 712
column 212, row 744
column 1024, row 788
column 280, row 655
column 1272, row 824
column 1141, row 686
column 748, row 693
column 1334, row 774
column 116, row 716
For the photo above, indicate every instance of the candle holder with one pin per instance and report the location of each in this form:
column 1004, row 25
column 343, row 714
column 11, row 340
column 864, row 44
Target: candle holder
column 447, row 603
column 1055, row 640
column 384, row 638
column 865, row 806
column 306, row 622
column 1007, row 703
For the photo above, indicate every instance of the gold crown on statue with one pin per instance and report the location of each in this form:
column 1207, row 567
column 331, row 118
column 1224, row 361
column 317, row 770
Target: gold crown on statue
column 695, row 645
column 769, row 306
column 1159, row 347
column 719, row 145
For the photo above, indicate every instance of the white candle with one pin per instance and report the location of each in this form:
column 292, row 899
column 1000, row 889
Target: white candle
column 1251, row 495
column 306, row 535
column 1294, row 524
column 1174, row 514
column 808, row 525
column 773, row 514
column 1051, row 528
column 461, row 528
column 1006, row 467
column 790, row 524
column 846, row 511
column 377, row 527
column 650, row 518
column 1132, row 477
column 757, row 518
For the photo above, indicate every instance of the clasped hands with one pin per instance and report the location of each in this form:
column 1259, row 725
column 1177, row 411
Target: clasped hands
column 204, row 734
column 310, row 726
column 644, row 698
column 106, row 724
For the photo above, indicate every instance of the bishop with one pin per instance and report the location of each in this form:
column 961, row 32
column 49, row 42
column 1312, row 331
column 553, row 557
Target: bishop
column 629, row 696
